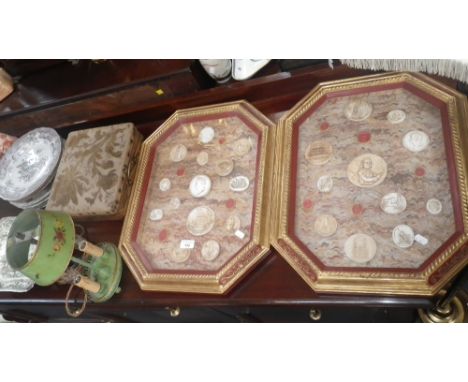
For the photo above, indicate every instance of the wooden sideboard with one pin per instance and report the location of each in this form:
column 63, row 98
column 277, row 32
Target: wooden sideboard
column 146, row 93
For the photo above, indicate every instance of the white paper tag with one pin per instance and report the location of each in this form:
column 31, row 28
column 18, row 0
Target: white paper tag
column 239, row 234
column 187, row 244
column 421, row 239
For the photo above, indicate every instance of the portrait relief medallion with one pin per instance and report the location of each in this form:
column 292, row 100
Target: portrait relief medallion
column 200, row 186
column 367, row 170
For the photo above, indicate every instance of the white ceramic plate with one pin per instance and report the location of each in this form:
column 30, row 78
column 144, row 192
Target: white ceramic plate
column 244, row 69
column 29, row 164
column 40, row 195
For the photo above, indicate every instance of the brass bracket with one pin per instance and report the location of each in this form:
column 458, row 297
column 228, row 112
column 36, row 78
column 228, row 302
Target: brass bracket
column 452, row 312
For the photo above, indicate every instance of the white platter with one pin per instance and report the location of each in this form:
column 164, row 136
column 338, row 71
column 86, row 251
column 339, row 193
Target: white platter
column 29, row 164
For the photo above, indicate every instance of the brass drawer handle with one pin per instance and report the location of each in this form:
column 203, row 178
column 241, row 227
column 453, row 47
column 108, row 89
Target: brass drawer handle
column 173, row 311
column 315, row 314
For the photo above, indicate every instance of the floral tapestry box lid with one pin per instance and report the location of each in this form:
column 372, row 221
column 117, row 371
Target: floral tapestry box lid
column 96, row 172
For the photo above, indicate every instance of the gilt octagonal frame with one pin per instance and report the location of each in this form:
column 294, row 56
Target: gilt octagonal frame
column 256, row 243
column 426, row 277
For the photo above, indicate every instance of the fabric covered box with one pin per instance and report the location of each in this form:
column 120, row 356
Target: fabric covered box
column 95, row 174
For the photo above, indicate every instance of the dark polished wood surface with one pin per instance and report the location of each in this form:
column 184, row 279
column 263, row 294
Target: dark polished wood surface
column 65, row 81
column 142, row 105
column 273, row 282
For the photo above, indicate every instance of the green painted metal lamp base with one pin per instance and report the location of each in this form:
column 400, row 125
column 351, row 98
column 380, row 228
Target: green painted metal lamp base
column 107, row 271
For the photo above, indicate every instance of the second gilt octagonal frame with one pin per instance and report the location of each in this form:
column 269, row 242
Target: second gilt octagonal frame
column 450, row 258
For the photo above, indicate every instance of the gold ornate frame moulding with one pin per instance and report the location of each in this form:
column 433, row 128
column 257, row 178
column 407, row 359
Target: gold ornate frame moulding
column 450, row 258
column 223, row 278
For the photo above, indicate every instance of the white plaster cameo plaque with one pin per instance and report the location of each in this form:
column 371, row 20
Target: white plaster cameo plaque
column 239, row 183
column 367, row 170
column 156, row 214
column 202, row 158
column 242, row 146
column 358, row 110
column 224, row 167
column 180, row 255
column 206, row 135
column 360, row 248
column 233, row 223
column 325, row 225
column 325, row 183
column 200, row 186
column 393, row 203
column 434, row 206
column 165, row 185
column 178, row 153
column 403, row 236
column 415, row 141
column 319, row 152
column 396, row 116
column 210, row 250
column 200, row 220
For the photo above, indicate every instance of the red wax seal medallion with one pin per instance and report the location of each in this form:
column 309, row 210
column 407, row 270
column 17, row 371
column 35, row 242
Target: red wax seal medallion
column 308, row 204
column 230, row 203
column 364, row 137
column 180, row 171
column 324, row 126
column 163, row 235
column 358, row 209
column 420, row 171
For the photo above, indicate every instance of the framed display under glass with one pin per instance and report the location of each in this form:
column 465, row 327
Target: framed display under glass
column 198, row 216
column 371, row 192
